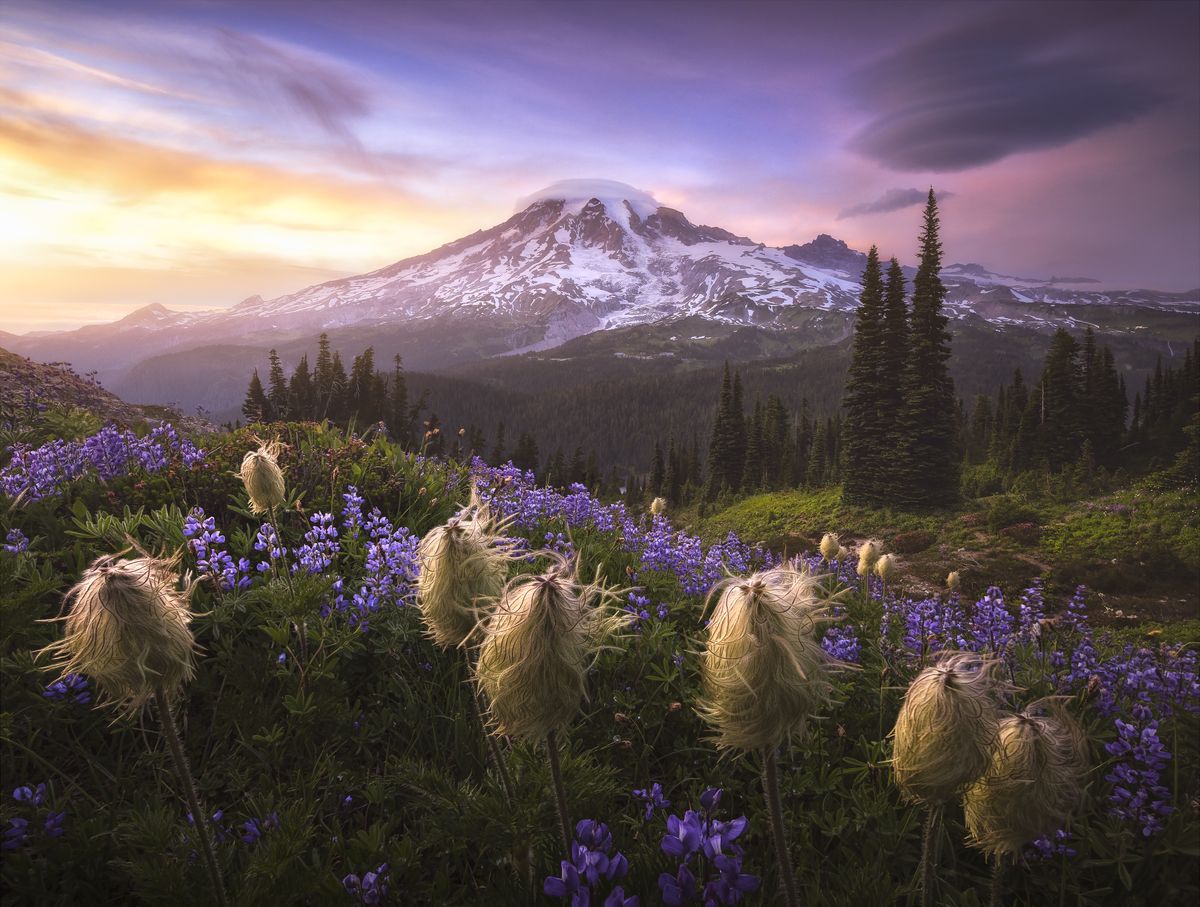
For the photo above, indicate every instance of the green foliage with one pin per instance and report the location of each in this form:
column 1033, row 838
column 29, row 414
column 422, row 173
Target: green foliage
column 367, row 746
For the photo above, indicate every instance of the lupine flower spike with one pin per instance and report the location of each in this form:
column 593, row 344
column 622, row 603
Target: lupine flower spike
column 765, row 674
column 128, row 629
column 943, row 738
column 537, row 646
column 262, row 476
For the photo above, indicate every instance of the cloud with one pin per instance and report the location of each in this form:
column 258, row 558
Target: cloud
column 275, row 76
column 892, row 200
column 977, row 93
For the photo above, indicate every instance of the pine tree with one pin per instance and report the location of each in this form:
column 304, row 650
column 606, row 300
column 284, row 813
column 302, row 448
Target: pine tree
column 893, row 360
column 657, row 471
column 526, row 455
column 1061, row 425
column 337, row 406
column 672, row 480
column 865, row 432
column 256, row 407
column 300, row 391
column 752, row 469
column 928, row 465
column 277, row 390
column 737, row 423
column 399, row 419
column 723, row 448
column 323, row 378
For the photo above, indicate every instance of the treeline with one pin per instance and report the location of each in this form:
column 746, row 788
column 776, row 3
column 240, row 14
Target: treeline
column 1075, row 423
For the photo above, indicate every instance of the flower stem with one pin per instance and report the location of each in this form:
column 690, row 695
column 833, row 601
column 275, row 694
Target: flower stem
column 493, row 745
column 928, row 873
column 560, row 792
column 199, row 817
column 775, row 810
column 997, row 877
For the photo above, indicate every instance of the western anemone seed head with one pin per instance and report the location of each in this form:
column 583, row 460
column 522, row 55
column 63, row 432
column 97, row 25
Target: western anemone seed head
column 463, row 564
column 843, row 552
column 1033, row 783
column 885, row 567
column 868, row 554
column 263, row 478
column 128, row 629
column 830, row 546
column 953, row 581
column 764, row 670
column 946, row 726
column 537, row 646
column 658, row 506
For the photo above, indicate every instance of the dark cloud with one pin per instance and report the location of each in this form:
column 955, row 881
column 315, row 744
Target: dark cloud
column 980, row 92
column 892, row 200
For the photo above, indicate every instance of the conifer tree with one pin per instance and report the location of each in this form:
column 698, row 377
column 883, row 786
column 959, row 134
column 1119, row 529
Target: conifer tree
column 300, row 391
column 657, row 471
column 865, row 431
column 399, row 419
column 752, row 469
column 336, row 406
column 277, row 390
column 256, row 407
column 672, row 482
column 893, row 360
column 723, row 448
column 928, row 466
column 323, row 377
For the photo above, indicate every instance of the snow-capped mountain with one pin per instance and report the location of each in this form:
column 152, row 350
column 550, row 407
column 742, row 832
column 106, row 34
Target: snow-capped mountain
column 580, row 256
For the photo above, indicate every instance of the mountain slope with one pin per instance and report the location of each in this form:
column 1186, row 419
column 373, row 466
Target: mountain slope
column 581, row 261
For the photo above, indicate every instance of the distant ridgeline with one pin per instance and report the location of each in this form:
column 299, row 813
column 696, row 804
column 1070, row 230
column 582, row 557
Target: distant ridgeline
column 900, row 436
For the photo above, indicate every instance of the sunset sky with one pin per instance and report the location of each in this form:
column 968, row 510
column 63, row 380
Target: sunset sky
column 196, row 153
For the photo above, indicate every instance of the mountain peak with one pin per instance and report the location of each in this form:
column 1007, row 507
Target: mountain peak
column 576, row 193
column 147, row 314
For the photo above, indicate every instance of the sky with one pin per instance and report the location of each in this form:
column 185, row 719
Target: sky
column 196, row 153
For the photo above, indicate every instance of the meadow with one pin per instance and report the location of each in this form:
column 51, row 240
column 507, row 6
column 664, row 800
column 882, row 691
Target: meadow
column 342, row 755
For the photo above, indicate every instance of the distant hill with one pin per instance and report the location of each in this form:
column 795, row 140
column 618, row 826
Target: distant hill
column 27, row 386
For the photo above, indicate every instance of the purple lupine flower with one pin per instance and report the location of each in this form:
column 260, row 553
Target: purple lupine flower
column 653, row 798
column 15, row 542
column 73, row 687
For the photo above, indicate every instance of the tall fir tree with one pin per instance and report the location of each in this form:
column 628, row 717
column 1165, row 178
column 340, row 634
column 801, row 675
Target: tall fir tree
column 277, row 390
column 927, row 471
column 256, row 407
column 399, row 419
column 300, row 391
column 865, row 431
column 723, row 457
column 892, row 364
column 323, row 378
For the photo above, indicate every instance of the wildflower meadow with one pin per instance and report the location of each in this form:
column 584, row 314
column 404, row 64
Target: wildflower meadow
column 614, row 712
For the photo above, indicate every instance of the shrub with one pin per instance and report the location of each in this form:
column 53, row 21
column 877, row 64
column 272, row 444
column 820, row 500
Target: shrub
column 1007, row 510
column 913, row 541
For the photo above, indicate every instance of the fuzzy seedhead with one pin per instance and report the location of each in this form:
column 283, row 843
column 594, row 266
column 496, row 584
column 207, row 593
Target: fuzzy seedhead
column 537, row 646
column 658, row 506
column 885, row 567
column 830, row 546
column 1033, row 783
column 262, row 476
column 953, row 581
column 868, row 554
column 764, row 671
column 463, row 565
column 946, row 727
column 128, row 629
